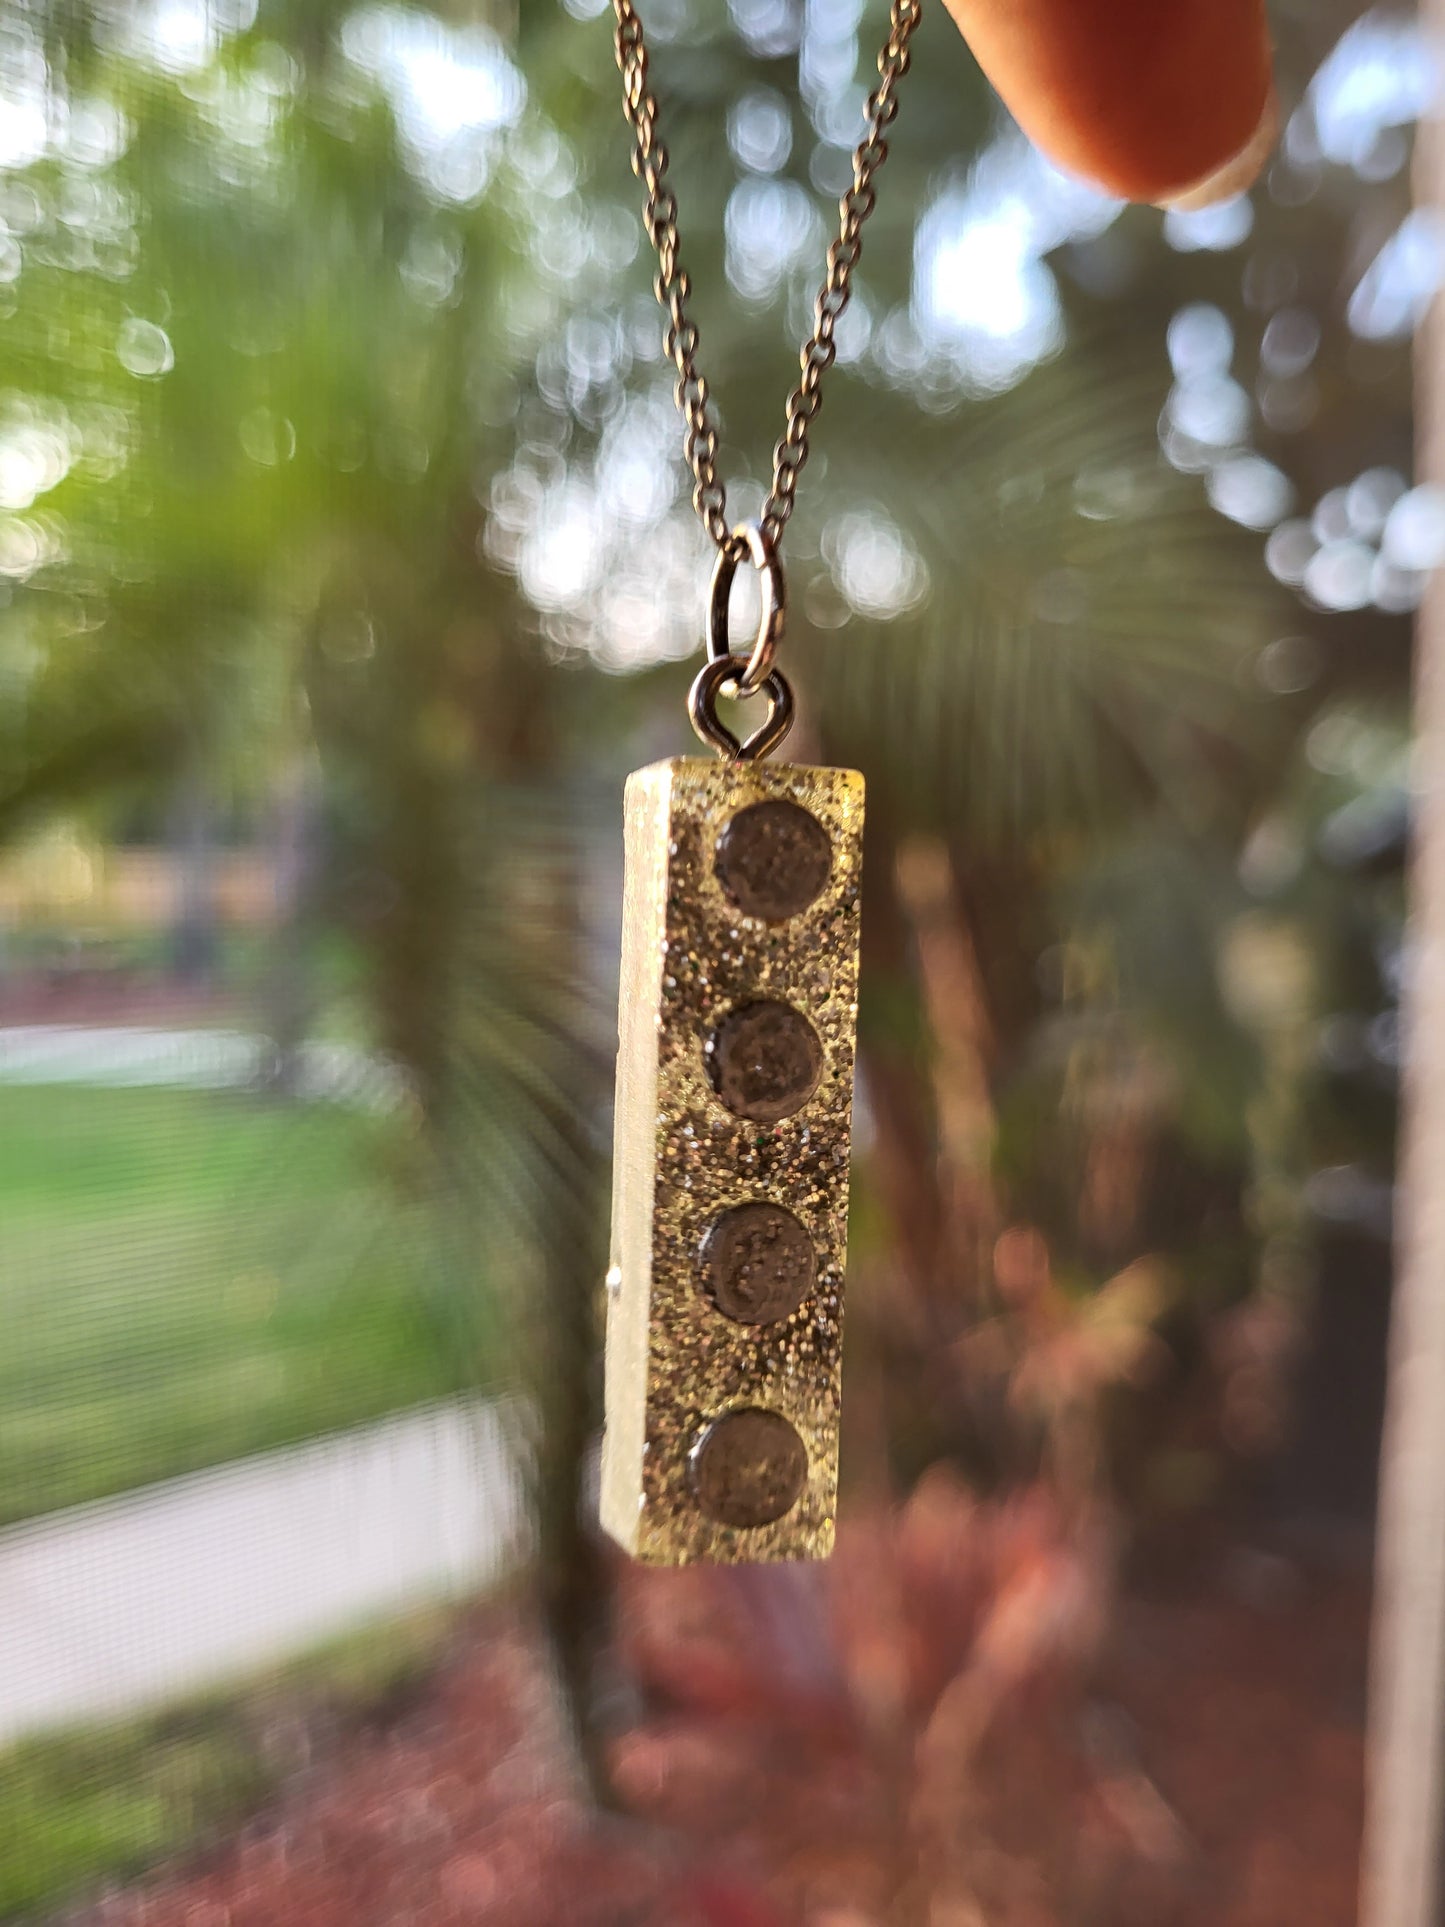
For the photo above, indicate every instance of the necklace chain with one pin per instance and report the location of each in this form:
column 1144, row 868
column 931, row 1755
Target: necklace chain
column 673, row 285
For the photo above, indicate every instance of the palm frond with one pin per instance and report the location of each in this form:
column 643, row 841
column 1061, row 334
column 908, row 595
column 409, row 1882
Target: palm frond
column 522, row 1134
column 1092, row 655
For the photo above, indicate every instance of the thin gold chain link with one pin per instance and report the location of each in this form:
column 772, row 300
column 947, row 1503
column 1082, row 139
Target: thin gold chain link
column 673, row 286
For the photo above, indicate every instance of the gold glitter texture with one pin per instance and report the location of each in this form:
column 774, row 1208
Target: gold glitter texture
column 675, row 1363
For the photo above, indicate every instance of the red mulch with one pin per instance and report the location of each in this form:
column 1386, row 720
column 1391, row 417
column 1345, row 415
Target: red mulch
column 105, row 997
column 1251, row 1714
column 1207, row 1774
column 460, row 1811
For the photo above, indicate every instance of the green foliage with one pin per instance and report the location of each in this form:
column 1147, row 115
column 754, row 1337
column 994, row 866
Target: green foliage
column 108, row 1805
column 81, row 1808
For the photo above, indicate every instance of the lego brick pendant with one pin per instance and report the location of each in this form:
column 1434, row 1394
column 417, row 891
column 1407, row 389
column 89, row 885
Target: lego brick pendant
column 730, row 1174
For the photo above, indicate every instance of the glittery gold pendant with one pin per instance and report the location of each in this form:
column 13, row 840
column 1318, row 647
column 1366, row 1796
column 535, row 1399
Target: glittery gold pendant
column 739, row 974
column 730, row 1186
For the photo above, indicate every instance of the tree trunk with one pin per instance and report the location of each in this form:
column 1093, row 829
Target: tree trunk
column 1401, row 1878
column 194, row 941
column 287, row 990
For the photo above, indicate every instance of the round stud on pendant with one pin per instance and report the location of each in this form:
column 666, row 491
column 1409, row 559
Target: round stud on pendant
column 748, row 1468
column 758, row 1264
column 773, row 859
column 764, row 1060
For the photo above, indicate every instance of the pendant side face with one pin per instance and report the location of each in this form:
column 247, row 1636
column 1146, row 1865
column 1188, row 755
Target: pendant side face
column 646, row 805
column 692, row 1146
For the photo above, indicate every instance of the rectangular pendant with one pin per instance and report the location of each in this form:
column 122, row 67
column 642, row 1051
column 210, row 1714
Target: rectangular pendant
column 737, row 1025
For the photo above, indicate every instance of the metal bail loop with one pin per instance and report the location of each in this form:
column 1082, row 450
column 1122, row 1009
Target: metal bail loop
column 750, row 540
column 711, row 679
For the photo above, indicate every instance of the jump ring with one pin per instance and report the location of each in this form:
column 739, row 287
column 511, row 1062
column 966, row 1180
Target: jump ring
column 748, row 539
column 711, row 679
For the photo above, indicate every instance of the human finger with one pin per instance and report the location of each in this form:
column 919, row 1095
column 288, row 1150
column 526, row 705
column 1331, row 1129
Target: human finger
column 1169, row 101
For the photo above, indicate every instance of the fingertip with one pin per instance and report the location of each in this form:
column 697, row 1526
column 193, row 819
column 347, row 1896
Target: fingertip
column 1239, row 172
column 1169, row 101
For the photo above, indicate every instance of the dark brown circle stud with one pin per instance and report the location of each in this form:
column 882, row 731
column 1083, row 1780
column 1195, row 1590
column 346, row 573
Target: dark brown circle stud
column 758, row 1263
column 773, row 859
column 764, row 1061
column 748, row 1468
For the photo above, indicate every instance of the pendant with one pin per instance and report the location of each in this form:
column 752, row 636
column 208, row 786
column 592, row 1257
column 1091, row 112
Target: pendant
column 731, row 1141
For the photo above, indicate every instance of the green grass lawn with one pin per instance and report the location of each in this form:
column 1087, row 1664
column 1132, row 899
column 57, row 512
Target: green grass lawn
column 186, row 1277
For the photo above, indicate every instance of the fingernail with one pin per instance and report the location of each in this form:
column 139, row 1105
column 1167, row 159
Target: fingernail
column 1237, row 173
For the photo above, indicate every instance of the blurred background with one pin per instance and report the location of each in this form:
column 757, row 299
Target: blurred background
column 346, row 568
